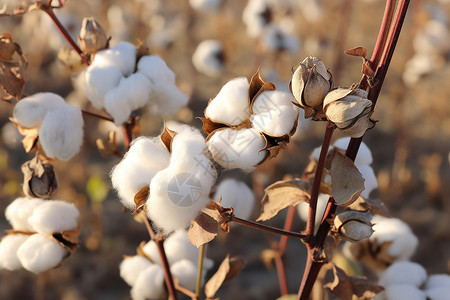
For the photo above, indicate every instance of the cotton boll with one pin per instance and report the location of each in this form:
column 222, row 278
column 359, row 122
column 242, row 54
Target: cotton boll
column 207, row 58
column 8, row 251
column 437, row 281
column 178, row 247
column 117, row 106
column 364, row 156
column 18, row 212
column 404, row 242
column 54, row 216
column 149, row 284
column 404, row 291
column 403, row 272
column 166, row 98
column 145, row 158
column 237, row 148
column 236, row 194
column 61, row 133
column 123, row 56
column 274, row 38
column 151, row 250
column 370, row 180
column 31, row 110
column 205, row 5
column 303, row 209
column 155, row 69
column 438, row 293
column 99, row 80
column 433, row 39
column 186, row 271
column 231, row 105
column 131, row 267
column 40, row 253
column 274, row 113
column 254, row 16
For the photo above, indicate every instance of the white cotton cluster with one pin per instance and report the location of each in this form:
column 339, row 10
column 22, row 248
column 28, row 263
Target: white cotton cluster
column 208, row 58
column 60, row 125
column 431, row 45
column 205, row 5
column 237, row 195
column 33, row 246
column 403, row 241
column 238, row 146
column 115, row 81
column 179, row 180
column 363, row 161
column 146, row 277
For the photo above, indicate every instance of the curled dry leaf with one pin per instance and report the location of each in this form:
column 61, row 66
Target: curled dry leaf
column 228, row 269
column 347, row 182
column 375, row 206
column 12, row 66
column 358, row 51
column 39, row 180
column 352, row 287
column 167, row 137
column 204, row 229
column 141, row 197
column 108, row 147
column 282, row 194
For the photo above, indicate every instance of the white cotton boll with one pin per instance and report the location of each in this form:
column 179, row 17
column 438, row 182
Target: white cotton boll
column 403, row 272
column 205, row 5
column 31, row 110
column 303, row 209
column 61, row 133
column 40, row 253
column 437, row 281
column 253, row 16
column 404, row 292
column 419, row 65
column 151, row 250
column 8, row 251
column 236, row 194
column 11, row 136
column 364, row 156
column 117, row 106
column 231, row 105
column 370, row 180
column 99, row 80
column 18, row 212
column 166, row 98
column 274, row 113
column 122, row 55
column 145, row 158
column 155, row 69
column 237, row 148
column 178, row 247
column 131, row 267
column 438, row 293
column 433, row 39
column 149, row 284
column 404, row 242
column 186, row 272
column 54, row 216
column 274, row 38
column 207, row 58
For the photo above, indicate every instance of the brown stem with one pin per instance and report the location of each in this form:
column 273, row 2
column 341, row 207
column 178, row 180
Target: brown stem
column 312, row 268
column 127, row 134
column 268, row 228
column 287, row 227
column 186, row 291
column 91, row 114
column 281, row 274
column 62, row 29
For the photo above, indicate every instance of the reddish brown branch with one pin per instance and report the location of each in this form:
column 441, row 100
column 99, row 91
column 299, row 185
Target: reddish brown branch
column 91, row 114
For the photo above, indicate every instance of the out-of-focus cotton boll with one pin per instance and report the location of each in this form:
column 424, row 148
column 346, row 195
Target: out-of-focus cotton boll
column 11, row 136
column 312, row 10
column 122, row 55
column 131, row 267
column 433, row 39
column 274, row 38
column 419, row 65
column 18, row 212
column 205, row 5
column 370, row 180
column 186, row 271
column 54, row 216
column 438, row 280
column 8, row 251
column 208, row 58
column 404, row 242
column 364, row 156
column 231, row 105
column 303, row 209
column 404, row 291
column 237, row 148
column 155, row 69
column 119, row 24
column 236, row 194
column 145, row 158
column 438, row 293
column 256, row 15
column 149, row 284
column 403, row 272
column 40, row 253
column 61, row 133
column 274, row 113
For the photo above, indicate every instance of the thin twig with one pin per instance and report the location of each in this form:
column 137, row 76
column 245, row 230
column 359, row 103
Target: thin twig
column 201, row 256
column 287, row 227
column 186, row 291
column 281, row 274
column 91, row 114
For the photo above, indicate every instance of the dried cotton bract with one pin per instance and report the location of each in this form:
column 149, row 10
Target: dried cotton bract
column 60, row 125
column 237, row 195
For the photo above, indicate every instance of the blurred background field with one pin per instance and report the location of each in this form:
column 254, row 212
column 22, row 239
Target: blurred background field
column 410, row 143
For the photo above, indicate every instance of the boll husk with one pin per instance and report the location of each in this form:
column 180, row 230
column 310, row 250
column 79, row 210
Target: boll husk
column 310, row 84
column 350, row 110
column 354, row 225
column 93, row 36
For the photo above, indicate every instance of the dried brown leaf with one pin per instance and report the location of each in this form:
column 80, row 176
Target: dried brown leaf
column 228, row 269
column 347, row 182
column 375, row 206
column 203, row 229
column 347, row 287
column 358, row 51
column 141, row 197
column 282, row 194
column 12, row 66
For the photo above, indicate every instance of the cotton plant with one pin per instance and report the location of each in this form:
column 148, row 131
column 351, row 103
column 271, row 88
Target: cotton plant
column 120, row 82
column 144, row 272
column 208, row 58
column 43, row 234
column 248, row 123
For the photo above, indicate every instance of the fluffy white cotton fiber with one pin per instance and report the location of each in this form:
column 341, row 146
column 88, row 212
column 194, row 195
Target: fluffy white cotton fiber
column 18, row 212
column 131, row 267
column 8, row 251
column 149, row 284
column 236, row 194
column 54, row 216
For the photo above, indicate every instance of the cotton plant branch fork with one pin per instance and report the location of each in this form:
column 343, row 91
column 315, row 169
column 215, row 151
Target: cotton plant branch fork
column 393, row 18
